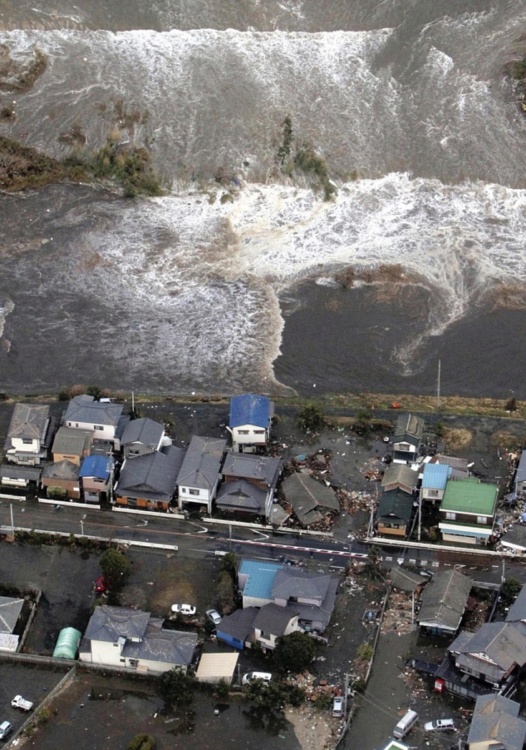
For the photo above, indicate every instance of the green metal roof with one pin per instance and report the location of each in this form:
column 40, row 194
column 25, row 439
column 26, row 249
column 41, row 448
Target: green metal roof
column 470, row 496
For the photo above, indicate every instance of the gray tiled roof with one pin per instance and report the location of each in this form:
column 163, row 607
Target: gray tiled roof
column 323, row 613
column 307, row 497
column 111, row 623
column 163, row 646
column 15, row 471
column 301, row 584
column 70, row 441
column 500, row 642
column 244, row 466
column 405, row 580
column 517, row 611
column 496, row 719
column 28, row 421
column 85, row 409
column 151, row 476
column 395, row 504
column 444, row 599
column 202, row 463
column 240, row 624
column 61, row 470
column 408, row 425
column 144, row 431
column 274, row 620
column 241, row 495
column 400, row 474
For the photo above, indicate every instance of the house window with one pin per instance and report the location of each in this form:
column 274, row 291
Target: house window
column 134, row 662
column 132, row 502
column 259, row 432
column 98, row 426
column 27, row 441
column 482, row 519
column 404, row 447
column 395, row 525
column 243, row 432
column 432, row 493
column 451, row 516
column 123, row 661
column 264, row 635
column 193, row 492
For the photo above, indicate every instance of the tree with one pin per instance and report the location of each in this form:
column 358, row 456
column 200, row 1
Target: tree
column 294, row 652
column 509, row 590
column 115, row 567
column 142, row 742
column 176, row 687
column 94, row 390
column 311, row 418
column 511, row 404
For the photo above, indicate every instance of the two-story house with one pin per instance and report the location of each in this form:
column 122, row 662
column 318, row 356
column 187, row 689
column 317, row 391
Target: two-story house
column 443, row 602
column 249, row 484
column 394, row 513
column 142, row 436
column 27, row 437
column 200, row 472
column 96, row 478
column 250, row 421
column 496, row 724
column 149, row 482
column 100, row 417
column 133, row 639
column 407, row 438
column 72, row 445
column 400, row 477
column 434, row 481
column 467, row 511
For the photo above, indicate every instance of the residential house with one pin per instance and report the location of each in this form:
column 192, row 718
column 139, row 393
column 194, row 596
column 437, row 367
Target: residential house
column 495, row 654
column 27, row 440
column 394, row 513
column 515, row 539
column 467, row 511
column 96, row 478
column 249, row 485
column 72, row 445
column 10, row 611
column 310, row 499
column 407, row 438
column 142, row 436
column 133, row 639
column 200, row 472
column 63, row 475
column 274, row 621
column 517, row 611
column 459, row 466
column 237, row 629
column 102, row 418
column 312, row 596
column 249, row 423
column 434, row 481
column 443, row 602
column 496, row 724
column 400, row 477
column 149, row 481
column 406, row 580
column 20, row 477
column 520, row 475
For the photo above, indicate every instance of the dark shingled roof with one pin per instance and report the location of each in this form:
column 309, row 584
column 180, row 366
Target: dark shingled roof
column 307, row 496
column 143, row 430
column 240, row 624
column 152, row 476
column 202, row 463
column 111, row 623
column 444, row 600
column 245, row 466
column 61, row 470
column 84, row 408
column 241, row 496
column 163, row 646
column 28, row 421
column 274, row 619
column 395, row 504
column 70, row 441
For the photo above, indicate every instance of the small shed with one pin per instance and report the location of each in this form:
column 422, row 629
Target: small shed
column 67, row 644
column 217, row 667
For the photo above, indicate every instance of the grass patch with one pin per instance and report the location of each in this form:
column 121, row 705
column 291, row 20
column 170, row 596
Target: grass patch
column 456, row 438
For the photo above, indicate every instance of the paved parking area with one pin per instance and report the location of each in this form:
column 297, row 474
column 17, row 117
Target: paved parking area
column 33, row 683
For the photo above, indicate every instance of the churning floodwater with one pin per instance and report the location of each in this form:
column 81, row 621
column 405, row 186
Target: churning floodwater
column 231, row 280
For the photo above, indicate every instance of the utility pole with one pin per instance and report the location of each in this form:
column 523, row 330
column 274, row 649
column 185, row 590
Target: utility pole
column 12, row 518
column 438, row 385
column 419, row 515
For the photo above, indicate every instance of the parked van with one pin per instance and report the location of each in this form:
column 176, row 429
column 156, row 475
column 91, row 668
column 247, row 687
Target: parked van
column 405, row 724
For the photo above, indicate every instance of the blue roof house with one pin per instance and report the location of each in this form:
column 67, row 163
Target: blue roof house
column 434, row 481
column 95, row 476
column 250, row 421
column 256, row 580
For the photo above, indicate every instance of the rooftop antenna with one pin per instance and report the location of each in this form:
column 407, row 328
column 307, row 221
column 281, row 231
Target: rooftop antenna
column 438, row 385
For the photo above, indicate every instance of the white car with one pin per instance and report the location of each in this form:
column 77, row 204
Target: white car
column 184, row 609
column 214, row 615
column 253, row 676
column 5, row 729
column 440, row 725
column 338, row 706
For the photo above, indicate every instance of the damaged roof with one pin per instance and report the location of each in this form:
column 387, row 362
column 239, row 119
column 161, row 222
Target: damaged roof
column 306, row 496
column 444, row 600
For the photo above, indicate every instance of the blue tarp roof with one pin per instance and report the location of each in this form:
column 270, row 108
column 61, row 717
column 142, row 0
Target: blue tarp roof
column 249, row 409
column 435, row 476
column 96, row 466
column 260, row 577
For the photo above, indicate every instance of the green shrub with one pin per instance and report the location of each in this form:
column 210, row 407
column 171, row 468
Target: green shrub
column 142, row 742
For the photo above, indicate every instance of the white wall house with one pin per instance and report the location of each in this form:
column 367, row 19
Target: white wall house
column 26, row 436
column 200, row 472
column 84, row 413
column 250, row 422
column 272, row 622
column 132, row 639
